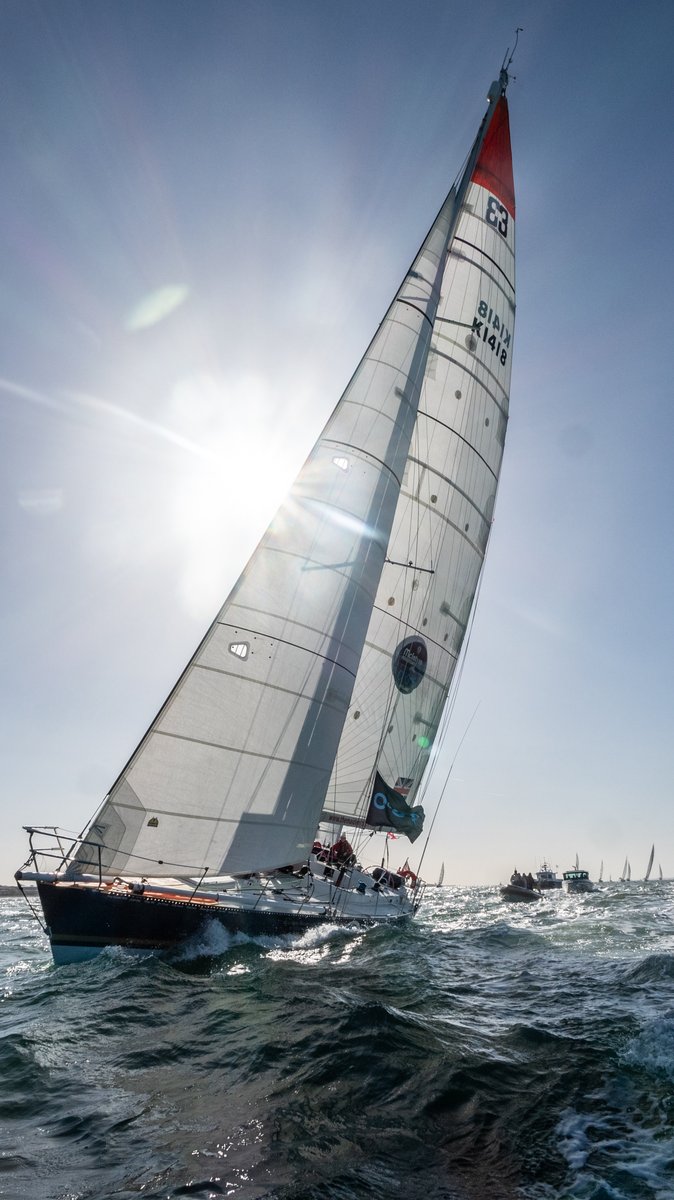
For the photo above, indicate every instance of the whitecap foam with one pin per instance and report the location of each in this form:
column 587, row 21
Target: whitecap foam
column 574, row 1144
column 611, row 1153
column 653, row 1049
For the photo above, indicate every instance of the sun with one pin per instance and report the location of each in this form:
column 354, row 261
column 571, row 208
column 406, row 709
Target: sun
column 252, row 444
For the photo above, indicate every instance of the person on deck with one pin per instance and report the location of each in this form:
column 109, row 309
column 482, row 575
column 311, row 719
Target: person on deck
column 342, row 851
column 408, row 875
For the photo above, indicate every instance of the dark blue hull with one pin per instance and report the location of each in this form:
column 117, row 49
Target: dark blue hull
column 83, row 921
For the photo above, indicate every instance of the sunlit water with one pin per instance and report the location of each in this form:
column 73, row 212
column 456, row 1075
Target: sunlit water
column 484, row 1052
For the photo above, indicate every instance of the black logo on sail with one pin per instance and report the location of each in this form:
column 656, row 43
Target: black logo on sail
column 409, row 664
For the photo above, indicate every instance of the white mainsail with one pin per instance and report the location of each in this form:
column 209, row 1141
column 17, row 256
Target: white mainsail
column 372, row 560
column 649, row 868
column 444, row 513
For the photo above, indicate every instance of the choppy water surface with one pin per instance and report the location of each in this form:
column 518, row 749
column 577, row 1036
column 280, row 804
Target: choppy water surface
column 484, row 1051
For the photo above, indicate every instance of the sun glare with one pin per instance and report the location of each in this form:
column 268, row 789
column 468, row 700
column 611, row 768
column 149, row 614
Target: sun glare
column 155, row 307
column 222, row 504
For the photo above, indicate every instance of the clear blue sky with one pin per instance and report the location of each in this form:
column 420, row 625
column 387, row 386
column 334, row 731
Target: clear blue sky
column 204, row 212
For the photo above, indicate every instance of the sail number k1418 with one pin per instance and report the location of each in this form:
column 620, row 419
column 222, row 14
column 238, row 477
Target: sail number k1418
column 492, row 331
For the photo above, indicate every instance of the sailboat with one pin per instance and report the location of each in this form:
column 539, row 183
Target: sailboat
column 626, row 873
column 649, row 868
column 312, row 704
column 441, row 876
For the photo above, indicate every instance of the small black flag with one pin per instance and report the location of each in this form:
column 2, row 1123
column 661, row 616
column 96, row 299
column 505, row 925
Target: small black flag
column 389, row 810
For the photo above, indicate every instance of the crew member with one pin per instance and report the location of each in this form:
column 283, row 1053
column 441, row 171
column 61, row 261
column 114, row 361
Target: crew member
column 342, row 851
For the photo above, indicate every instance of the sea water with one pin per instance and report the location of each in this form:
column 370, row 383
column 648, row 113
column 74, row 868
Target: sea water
column 485, row 1051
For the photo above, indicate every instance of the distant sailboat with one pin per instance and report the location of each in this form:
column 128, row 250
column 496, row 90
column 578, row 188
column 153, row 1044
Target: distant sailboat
column 649, row 868
column 601, row 872
column 441, row 876
column 660, row 872
column 626, row 873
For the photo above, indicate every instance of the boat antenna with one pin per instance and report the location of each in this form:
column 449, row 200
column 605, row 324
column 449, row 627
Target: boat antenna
column 505, row 65
column 505, row 77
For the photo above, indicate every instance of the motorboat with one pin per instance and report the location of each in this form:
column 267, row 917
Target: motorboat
column 547, row 878
column 578, row 881
column 514, row 891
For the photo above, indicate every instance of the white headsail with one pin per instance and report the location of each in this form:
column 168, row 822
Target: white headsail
column 444, row 513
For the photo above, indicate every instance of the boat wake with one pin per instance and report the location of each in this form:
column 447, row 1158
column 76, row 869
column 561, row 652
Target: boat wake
column 214, row 941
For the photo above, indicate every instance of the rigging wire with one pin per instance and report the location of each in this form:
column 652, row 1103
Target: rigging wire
column 444, row 786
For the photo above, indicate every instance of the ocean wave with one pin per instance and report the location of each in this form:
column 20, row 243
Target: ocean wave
column 462, row 1057
column 655, row 968
column 652, row 1050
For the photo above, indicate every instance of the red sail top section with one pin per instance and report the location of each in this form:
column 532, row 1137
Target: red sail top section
column 494, row 167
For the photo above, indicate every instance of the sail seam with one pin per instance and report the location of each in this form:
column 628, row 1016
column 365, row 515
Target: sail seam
column 282, row 641
column 465, row 242
column 169, row 812
column 461, row 438
column 473, row 375
column 239, row 750
column 410, row 304
column 446, row 520
column 462, row 257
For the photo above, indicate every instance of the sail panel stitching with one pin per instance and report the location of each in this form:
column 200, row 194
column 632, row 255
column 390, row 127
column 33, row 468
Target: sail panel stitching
column 472, row 374
column 461, row 438
column 465, row 242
